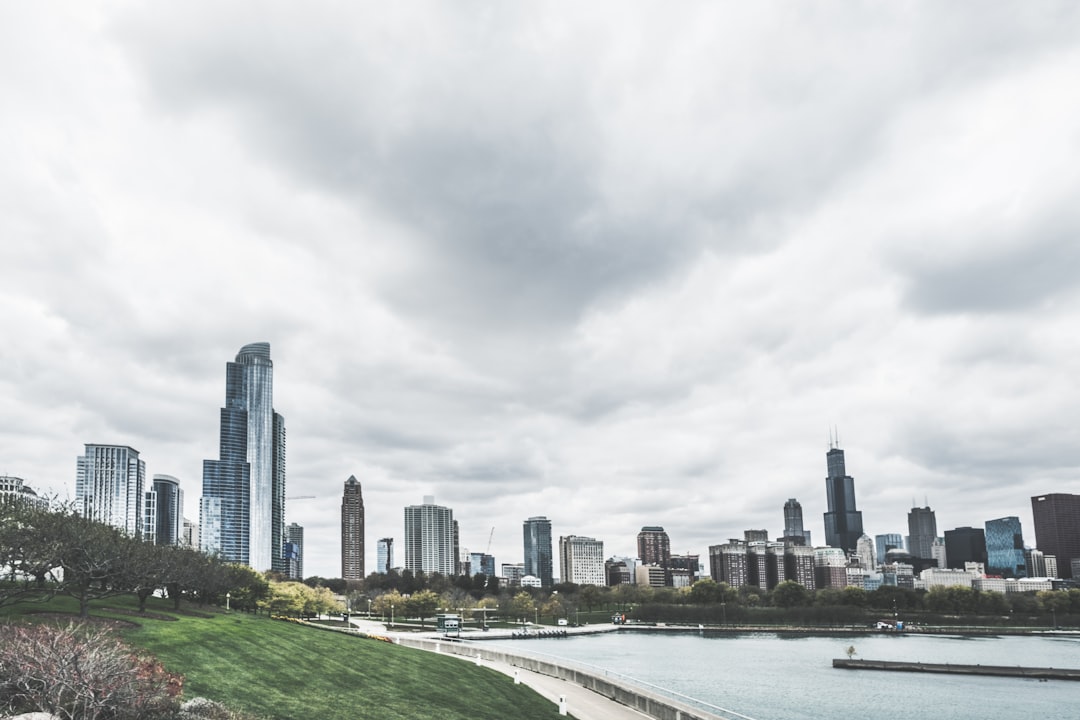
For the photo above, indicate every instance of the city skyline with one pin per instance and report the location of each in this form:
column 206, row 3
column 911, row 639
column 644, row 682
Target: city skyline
column 619, row 265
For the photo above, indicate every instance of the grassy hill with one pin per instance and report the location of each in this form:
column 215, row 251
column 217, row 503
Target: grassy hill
column 282, row 670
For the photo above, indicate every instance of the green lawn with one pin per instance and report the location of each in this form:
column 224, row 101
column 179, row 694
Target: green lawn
column 286, row 671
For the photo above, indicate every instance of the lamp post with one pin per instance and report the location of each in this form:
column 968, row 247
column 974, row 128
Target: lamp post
column 228, row 597
column 369, row 608
column 723, row 613
column 391, row 614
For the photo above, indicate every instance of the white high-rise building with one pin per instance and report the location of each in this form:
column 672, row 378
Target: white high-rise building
column 109, row 486
column 429, row 538
column 581, row 560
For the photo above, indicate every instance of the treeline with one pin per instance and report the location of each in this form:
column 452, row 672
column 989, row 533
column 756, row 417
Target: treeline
column 49, row 553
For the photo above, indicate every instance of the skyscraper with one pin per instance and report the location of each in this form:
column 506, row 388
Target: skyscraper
column 168, row 511
column 965, row 545
column 242, row 512
column 884, row 543
column 581, row 560
column 294, row 551
column 1005, row 547
column 429, row 538
column 794, row 533
column 843, row 522
column 538, row 559
column 109, row 486
column 352, row 531
column 386, row 555
column 1057, row 528
column 922, row 532
column 653, row 546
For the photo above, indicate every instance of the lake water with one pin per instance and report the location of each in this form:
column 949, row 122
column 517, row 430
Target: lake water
column 769, row 676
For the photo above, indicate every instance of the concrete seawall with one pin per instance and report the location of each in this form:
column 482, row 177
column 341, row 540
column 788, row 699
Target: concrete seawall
column 653, row 705
column 995, row 670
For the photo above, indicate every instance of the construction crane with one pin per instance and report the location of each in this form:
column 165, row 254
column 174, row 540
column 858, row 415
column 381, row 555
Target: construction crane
column 301, row 497
column 490, row 536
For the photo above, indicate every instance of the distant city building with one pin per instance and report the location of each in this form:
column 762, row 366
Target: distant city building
column 14, row 492
column 654, row 546
column 864, row 550
column 843, row 522
column 512, row 574
column 530, row 581
column 794, row 533
column 830, row 567
column 538, row 554
column 939, row 553
column 429, row 538
column 1005, row 547
column 650, row 576
column 683, row 570
column 168, row 523
column 386, row 555
column 799, row 565
column 148, row 526
column 755, row 536
column 1057, row 528
column 352, row 530
column 727, row 563
column 898, row 575
column 294, row 551
column 765, row 564
column 481, row 564
column 965, row 545
column 581, row 560
column 621, row 570
column 884, row 543
column 242, row 511
column 455, row 545
column 945, row 577
column 109, row 486
column 922, row 531
column 189, row 537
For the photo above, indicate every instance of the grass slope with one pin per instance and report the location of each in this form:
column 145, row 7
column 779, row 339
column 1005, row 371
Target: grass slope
column 286, row 671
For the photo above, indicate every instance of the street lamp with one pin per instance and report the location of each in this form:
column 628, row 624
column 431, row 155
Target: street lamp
column 228, row 596
column 391, row 614
column 369, row 608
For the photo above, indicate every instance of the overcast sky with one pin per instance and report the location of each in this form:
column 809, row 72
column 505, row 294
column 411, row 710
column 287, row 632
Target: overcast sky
column 623, row 264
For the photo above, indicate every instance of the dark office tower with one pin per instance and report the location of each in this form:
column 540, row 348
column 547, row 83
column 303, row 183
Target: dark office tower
column 537, row 534
column 352, row 531
column 1057, row 528
column 168, row 511
column 1005, row 548
column 922, row 532
column 242, row 512
column 653, row 546
column 964, row 545
column 794, row 534
column 294, row 551
column 843, row 522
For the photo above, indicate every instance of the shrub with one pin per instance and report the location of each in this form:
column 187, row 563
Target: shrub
column 81, row 673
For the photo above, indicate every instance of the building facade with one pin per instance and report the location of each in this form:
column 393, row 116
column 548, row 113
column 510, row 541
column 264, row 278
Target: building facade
column 242, row 511
column 429, row 538
column 727, row 563
column 965, row 545
column 386, row 555
column 109, row 487
column 884, row 543
column 654, row 546
column 843, row 521
column 1057, row 528
column 581, row 560
column 794, row 533
column 922, row 532
column 352, row 530
column 15, row 493
column 538, row 553
column 1005, row 547
column 294, row 551
column 168, row 511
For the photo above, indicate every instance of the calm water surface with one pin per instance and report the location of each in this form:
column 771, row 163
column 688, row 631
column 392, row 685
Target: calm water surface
column 768, row 676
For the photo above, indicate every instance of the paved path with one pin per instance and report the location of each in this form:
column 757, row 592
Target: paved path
column 581, row 703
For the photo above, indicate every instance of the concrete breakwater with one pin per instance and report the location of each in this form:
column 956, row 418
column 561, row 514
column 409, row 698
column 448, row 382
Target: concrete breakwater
column 996, row 670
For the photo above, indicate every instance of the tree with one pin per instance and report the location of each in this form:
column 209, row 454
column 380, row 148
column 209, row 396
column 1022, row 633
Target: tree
column 422, row 605
column 705, row 592
column 789, row 594
column 522, row 606
column 98, row 560
column 386, row 603
column 591, row 595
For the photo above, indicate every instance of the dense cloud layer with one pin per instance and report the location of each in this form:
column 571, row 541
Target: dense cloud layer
column 622, row 266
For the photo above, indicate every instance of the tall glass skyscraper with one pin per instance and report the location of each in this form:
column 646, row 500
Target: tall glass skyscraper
column 538, row 556
column 109, row 486
column 168, row 520
column 884, row 543
column 386, row 555
column 242, row 512
column 1005, row 547
column 843, row 522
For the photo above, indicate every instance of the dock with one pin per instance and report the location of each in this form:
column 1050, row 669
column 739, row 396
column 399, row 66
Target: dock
column 1017, row 671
